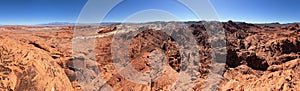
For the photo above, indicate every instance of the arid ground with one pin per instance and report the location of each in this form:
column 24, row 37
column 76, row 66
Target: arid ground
column 262, row 57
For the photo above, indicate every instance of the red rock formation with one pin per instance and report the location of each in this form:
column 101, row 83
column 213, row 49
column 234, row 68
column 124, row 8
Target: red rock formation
column 258, row 57
column 27, row 67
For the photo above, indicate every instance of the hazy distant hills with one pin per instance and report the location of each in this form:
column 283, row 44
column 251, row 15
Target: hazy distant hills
column 107, row 23
column 73, row 24
column 57, row 23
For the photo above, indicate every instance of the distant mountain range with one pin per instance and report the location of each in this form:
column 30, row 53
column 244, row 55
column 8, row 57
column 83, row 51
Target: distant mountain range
column 57, row 24
column 107, row 23
column 73, row 24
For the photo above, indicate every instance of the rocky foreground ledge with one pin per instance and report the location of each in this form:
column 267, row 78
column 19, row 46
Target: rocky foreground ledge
column 258, row 57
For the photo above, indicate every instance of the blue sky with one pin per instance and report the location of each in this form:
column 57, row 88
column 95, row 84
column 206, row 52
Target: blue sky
column 258, row 10
column 26, row 12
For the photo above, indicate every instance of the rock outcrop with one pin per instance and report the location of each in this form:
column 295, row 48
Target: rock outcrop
column 254, row 57
column 28, row 67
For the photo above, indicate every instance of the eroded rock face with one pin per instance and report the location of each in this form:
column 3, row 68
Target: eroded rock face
column 258, row 57
column 269, row 60
column 232, row 58
column 25, row 67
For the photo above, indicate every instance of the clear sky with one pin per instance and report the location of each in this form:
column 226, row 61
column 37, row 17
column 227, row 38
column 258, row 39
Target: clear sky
column 26, row 12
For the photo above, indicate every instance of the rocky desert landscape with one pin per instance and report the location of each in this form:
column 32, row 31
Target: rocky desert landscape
column 222, row 56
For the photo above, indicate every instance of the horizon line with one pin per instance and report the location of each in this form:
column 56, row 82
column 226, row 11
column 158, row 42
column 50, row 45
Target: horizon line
column 136, row 22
